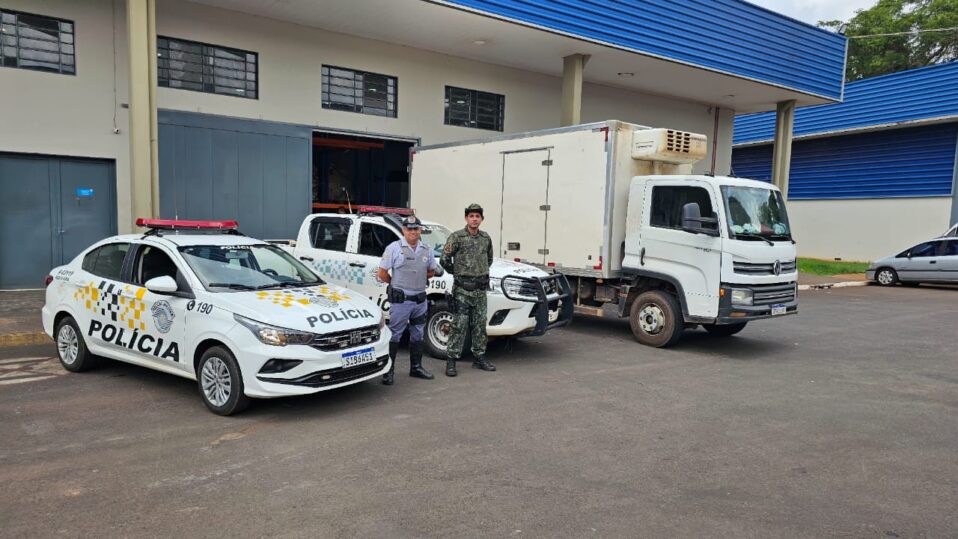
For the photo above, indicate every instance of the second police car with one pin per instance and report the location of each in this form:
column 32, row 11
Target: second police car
column 199, row 300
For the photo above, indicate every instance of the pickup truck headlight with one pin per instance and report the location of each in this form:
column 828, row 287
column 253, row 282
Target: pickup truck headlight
column 495, row 285
column 741, row 296
column 274, row 335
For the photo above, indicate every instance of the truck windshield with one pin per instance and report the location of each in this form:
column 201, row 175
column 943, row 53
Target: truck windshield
column 247, row 267
column 435, row 237
column 754, row 211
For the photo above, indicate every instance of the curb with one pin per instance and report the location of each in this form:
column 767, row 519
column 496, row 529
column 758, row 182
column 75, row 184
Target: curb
column 826, row 286
column 24, row 339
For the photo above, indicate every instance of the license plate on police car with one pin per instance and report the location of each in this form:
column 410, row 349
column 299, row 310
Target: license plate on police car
column 358, row 357
column 778, row 309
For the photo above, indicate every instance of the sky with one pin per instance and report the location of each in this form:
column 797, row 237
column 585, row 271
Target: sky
column 812, row 11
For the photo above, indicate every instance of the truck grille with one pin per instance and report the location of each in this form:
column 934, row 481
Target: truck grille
column 331, row 342
column 531, row 289
column 746, row 268
column 772, row 293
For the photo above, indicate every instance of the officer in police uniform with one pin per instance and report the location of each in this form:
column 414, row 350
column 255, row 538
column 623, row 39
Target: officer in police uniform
column 468, row 255
column 412, row 264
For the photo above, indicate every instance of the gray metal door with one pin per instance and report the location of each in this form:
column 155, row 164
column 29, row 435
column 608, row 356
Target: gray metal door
column 50, row 209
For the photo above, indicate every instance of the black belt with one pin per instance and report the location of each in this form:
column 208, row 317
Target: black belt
column 396, row 295
column 470, row 284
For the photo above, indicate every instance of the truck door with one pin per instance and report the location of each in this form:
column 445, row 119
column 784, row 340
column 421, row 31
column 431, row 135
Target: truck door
column 692, row 260
column 364, row 264
column 325, row 248
column 525, row 205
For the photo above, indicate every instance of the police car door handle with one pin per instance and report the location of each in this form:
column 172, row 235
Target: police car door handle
column 358, row 264
column 307, row 258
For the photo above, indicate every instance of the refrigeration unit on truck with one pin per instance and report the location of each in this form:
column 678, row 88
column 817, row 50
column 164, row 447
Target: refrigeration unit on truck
column 615, row 207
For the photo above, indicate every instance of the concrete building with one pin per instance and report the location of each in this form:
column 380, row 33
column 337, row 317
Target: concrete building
column 869, row 176
column 264, row 111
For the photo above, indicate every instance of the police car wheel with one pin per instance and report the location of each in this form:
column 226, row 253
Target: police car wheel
column 438, row 328
column 221, row 382
column 656, row 319
column 71, row 348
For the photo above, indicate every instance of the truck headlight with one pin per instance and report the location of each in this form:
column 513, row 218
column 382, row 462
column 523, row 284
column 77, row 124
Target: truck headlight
column 495, row 285
column 274, row 335
column 741, row 296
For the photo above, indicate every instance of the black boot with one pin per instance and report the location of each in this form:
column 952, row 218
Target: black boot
column 388, row 377
column 451, row 366
column 415, row 362
column 481, row 364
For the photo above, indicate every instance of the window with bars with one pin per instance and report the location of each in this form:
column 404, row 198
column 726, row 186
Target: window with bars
column 189, row 65
column 359, row 91
column 472, row 108
column 37, row 42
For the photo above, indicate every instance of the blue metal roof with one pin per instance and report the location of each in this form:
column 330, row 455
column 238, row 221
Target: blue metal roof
column 729, row 36
column 912, row 162
column 906, row 96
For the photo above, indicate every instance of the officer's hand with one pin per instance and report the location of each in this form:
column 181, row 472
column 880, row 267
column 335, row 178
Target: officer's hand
column 438, row 272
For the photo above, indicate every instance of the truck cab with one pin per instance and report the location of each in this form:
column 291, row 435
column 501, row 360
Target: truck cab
column 346, row 249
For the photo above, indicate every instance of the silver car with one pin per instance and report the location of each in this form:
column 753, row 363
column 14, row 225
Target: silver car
column 934, row 261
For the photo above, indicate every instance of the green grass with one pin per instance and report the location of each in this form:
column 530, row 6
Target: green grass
column 830, row 267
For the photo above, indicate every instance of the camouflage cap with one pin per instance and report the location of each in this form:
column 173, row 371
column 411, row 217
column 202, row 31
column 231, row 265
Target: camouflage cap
column 474, row 208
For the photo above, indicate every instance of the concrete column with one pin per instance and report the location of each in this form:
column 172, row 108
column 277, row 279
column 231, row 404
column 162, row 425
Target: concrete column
column 144, row 169
column 572, row 68
column 782, row 153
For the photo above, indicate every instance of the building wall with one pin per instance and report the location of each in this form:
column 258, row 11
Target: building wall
column 865, row 229
column 64, row 115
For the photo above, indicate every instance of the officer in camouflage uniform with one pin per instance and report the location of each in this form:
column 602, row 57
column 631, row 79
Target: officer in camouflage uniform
column 468, row 255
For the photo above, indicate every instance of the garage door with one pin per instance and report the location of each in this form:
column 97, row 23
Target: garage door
column 51, row 208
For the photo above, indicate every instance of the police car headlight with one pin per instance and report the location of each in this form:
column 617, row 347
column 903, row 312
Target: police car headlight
column 274, row 335
column 495, row 285
column 741, row 296
column 382, row 321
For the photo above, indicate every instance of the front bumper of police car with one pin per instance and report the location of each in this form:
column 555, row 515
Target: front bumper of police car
column 278, row 362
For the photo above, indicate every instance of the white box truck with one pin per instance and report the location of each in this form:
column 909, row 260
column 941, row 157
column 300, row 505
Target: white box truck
column 615, row 207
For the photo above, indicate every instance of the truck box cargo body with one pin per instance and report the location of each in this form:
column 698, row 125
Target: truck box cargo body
column 614, row 206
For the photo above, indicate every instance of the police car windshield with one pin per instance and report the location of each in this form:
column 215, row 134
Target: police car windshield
column 247, row 267
column 435, row 237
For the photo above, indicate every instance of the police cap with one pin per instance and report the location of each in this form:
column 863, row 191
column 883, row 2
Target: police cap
column 474, row 208
column 411, row 222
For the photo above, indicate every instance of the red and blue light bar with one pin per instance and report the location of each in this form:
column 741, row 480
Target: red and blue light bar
column 181, row 224
column 381, row 210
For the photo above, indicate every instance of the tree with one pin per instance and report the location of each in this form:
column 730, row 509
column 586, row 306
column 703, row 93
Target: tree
column 873, row 56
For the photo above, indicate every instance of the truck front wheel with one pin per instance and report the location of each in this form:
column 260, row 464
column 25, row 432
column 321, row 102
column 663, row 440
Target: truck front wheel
column 656, row 319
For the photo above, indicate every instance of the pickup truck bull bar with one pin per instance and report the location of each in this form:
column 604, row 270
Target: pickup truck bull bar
column 540, row 286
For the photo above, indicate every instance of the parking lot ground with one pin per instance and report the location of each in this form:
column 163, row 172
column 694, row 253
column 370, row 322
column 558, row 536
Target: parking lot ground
column 838, row 422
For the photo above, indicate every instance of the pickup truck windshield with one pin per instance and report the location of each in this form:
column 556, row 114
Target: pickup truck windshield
column 435, row 237
column 247, row 267
column 754, row 211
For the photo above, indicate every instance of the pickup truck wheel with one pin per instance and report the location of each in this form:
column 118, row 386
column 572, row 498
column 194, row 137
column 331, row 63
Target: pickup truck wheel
column 221, row 382
column 438, row 329
column 724, row 330
column 71, row 348
column 656, row 319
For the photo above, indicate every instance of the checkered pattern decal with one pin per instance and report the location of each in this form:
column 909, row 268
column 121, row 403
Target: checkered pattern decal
column 320, row 295
column 340, row 270
column 107, row 299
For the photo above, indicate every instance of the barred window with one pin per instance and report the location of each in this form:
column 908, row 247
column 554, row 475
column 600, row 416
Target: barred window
column 472, row 108
column 359, row 91
column 37, row 42
column 189, row 65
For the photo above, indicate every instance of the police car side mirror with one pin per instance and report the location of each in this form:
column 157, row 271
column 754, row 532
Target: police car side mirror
column 162, row 285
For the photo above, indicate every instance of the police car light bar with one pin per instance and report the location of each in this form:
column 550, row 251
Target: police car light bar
column 384, row 210
column 179, row 224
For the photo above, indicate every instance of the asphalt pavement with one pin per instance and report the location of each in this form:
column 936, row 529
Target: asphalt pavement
column 837, row 422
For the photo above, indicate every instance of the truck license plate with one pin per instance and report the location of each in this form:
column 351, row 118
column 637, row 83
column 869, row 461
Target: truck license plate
column 778, row 309
column 358, row 357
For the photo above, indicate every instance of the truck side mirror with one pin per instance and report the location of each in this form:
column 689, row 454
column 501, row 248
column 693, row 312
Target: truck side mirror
column 692, row 221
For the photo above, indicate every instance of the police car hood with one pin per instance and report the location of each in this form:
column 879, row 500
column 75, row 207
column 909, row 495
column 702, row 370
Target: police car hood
column 501, row 267
column 318, row 309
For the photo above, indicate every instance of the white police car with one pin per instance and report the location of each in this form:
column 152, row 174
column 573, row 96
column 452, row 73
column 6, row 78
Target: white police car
column 202, row 301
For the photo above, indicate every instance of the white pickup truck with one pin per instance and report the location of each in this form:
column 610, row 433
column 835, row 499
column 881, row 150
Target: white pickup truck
column 345, row 249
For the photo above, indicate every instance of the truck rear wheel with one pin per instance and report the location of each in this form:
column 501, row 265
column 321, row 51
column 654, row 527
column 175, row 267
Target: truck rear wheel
column 656, row 319
column 726, row 330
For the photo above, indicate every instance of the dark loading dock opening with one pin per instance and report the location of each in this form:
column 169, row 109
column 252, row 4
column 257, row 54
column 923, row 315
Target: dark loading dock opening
column 350, row 169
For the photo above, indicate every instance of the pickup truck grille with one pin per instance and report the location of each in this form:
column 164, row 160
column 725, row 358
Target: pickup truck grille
column 772, row 293
column 747, row 268
column 341, row 340
column 531, row 289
